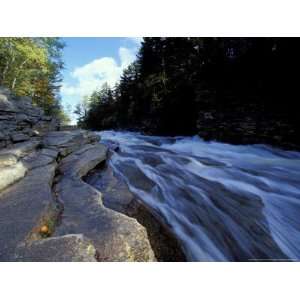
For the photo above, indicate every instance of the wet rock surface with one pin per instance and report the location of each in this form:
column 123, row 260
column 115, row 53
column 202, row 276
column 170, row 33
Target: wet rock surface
column 115, row 236
column 116, row 195
column 47, row 212
column 222, row 202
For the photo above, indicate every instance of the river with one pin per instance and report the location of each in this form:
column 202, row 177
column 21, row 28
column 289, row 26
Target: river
column 222, row 202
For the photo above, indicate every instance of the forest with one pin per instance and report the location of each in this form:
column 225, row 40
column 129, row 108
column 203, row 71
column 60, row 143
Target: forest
column 31, row 66
column 238, row 90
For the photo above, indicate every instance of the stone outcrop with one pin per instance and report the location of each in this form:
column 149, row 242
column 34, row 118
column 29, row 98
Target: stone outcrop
column 117, row 196
column 22, row 207
column 72, row 247
column 20, row 119
column 12, row 166
column 11, row 174
column 115, row 236
column 47, row 212
column 67, row 142
column 49, row 191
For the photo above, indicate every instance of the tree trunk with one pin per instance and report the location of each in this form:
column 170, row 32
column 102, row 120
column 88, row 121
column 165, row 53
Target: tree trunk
column 8, row 62
column 18, row 72
column 4, row 72
column 14, row 83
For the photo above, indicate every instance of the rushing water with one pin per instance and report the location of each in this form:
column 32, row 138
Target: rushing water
column 223, row 202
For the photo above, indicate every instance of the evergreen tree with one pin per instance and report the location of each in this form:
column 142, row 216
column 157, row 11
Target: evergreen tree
column 215, row 86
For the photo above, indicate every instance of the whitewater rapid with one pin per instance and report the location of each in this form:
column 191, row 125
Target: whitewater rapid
column 223, row 202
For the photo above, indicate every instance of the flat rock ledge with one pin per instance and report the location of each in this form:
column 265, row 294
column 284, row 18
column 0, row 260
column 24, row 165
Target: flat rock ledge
column 71, row 247
column 48, row 213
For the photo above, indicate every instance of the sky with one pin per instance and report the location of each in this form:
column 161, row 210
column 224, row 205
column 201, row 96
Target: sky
column 90, row 62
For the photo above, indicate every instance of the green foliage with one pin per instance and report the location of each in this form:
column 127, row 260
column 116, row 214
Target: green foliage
column 175, row 81
column 32, row 67
column 97, row 111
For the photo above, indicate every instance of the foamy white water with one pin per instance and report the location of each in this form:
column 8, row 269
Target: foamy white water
column 223, row 202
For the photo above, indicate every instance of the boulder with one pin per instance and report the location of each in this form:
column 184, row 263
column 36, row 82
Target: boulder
column 67, row 248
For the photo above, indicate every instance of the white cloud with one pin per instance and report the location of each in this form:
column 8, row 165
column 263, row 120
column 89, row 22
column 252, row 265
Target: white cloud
column 94, row 74
column 127, row 56
column 85, row 79
column 136, row 40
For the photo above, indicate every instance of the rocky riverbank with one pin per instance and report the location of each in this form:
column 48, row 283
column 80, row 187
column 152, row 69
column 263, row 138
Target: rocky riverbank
column 47, row 212
column 117, row 196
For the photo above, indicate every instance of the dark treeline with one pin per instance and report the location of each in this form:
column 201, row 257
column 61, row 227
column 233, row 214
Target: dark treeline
column 240, row 90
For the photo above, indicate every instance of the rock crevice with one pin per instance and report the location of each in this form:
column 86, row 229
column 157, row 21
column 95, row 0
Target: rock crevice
column 47, row 212
column 51, row 194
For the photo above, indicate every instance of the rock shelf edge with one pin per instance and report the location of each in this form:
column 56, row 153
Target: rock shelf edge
column 41, row 186
column 51, row 193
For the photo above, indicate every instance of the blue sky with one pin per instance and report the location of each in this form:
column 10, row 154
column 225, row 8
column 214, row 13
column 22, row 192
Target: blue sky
column 90, row 62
